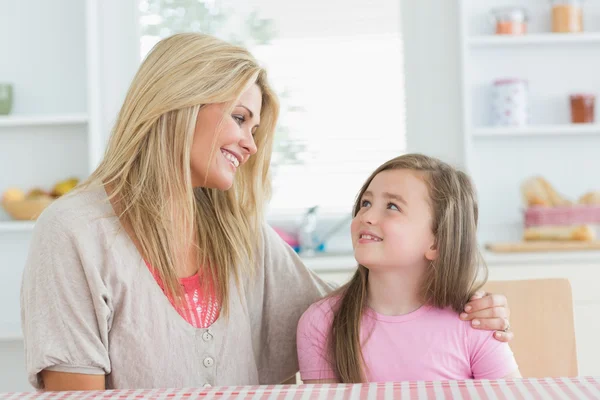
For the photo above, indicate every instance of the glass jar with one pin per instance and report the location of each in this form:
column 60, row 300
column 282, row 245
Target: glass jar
column 6, row 98
column 582, row 108
column 567, row 16
column 510, row 102
column 510, row 20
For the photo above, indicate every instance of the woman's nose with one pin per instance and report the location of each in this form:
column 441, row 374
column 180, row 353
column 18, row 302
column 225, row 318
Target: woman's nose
column 248, row 144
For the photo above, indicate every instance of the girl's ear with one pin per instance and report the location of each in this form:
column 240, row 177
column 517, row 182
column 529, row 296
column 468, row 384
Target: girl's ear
column 432, row 253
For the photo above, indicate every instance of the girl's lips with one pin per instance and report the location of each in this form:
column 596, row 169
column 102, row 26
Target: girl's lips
column 368, row 237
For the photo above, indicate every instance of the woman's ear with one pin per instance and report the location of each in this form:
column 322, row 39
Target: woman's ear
column 432, row 253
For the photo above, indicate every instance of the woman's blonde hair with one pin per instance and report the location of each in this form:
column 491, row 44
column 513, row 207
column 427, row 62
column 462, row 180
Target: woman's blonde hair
column 147, row 161
column 452, row 278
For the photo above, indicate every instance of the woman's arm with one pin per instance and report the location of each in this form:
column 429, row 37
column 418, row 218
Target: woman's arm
column 287, row 289
column 59, row 381
column 64, row 306
column 489, row 312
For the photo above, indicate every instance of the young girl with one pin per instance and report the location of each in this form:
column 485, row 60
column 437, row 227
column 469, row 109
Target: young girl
column 414, row 238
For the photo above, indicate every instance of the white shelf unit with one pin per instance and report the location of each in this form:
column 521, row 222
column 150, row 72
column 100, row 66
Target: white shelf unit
column 534, row 39
column 52, row 132
column 16, row 226
column 555, row 65
column 13, row 121
column 499, row 159
column 558, row 130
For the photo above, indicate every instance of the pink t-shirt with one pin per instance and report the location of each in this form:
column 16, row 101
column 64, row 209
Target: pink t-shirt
column 427, row 344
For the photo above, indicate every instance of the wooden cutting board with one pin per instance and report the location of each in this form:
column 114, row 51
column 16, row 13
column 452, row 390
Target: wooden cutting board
column 541, row 246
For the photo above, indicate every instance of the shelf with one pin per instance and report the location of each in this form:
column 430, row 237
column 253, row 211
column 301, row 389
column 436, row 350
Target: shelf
column 16, row 226
column 533, row 39
column 10, row 336
column 539, row 130
column 42, row 120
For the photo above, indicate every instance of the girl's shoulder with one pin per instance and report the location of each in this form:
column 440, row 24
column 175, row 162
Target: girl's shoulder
column 326, row 305
column 320, row 314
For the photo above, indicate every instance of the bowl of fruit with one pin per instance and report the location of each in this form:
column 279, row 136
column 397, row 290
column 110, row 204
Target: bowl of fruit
column 27, row 206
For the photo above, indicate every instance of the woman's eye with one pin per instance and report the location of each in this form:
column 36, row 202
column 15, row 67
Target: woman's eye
column 365, row 203
column 239, row 119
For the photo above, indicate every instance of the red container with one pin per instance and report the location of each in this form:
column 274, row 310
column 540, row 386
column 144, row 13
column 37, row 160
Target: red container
column 582, row 108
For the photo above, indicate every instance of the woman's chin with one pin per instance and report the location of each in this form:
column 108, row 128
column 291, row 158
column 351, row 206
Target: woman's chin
column 222, row 182
column 223, row 185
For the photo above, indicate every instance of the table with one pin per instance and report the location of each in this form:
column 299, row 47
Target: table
column 544, row 388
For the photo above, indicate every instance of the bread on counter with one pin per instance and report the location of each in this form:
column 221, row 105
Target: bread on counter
column 590, row 199
column 574, row 232
column 537, row 191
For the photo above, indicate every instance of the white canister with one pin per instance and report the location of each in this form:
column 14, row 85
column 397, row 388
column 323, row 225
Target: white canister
column 510, row 104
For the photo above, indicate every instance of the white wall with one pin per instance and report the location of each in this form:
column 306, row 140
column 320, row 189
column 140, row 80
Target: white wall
column 113, row 53
column 12, row 368
column 431, row 51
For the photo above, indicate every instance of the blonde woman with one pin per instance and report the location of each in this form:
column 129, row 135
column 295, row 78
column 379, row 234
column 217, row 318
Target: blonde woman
column 160, row 270
column 414, row 234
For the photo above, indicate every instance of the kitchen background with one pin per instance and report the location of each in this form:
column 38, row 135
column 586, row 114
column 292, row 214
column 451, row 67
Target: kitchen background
column 481, row 86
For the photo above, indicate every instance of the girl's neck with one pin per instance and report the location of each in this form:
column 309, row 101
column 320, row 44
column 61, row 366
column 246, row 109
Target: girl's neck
column 394, row 292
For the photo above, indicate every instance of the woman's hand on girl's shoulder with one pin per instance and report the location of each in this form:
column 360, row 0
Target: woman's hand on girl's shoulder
column 490, row 312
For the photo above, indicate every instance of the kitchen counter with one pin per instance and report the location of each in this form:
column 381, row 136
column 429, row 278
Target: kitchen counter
column 345, row 262
column 553, row 257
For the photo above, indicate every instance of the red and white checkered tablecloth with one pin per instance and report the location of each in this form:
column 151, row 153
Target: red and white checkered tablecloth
column 547, row 388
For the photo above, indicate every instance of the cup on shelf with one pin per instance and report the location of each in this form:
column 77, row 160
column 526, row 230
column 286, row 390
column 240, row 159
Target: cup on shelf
column 510, row 102
column 510, row 20
column 567, row 16
column 582, row 108
column 6, row 98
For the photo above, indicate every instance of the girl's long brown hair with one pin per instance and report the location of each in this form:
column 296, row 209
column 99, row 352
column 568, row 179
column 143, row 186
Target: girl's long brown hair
column 449, row 282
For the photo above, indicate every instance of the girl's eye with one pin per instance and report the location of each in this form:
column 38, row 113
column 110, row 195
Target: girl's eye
column 392, row 206
column 239, row 119
column 365, row 203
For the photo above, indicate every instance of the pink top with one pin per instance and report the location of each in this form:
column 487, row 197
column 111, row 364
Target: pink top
column 427, row 344
column 199, row 309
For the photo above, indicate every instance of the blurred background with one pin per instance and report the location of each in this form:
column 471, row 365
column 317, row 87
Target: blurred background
column 504, row 90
